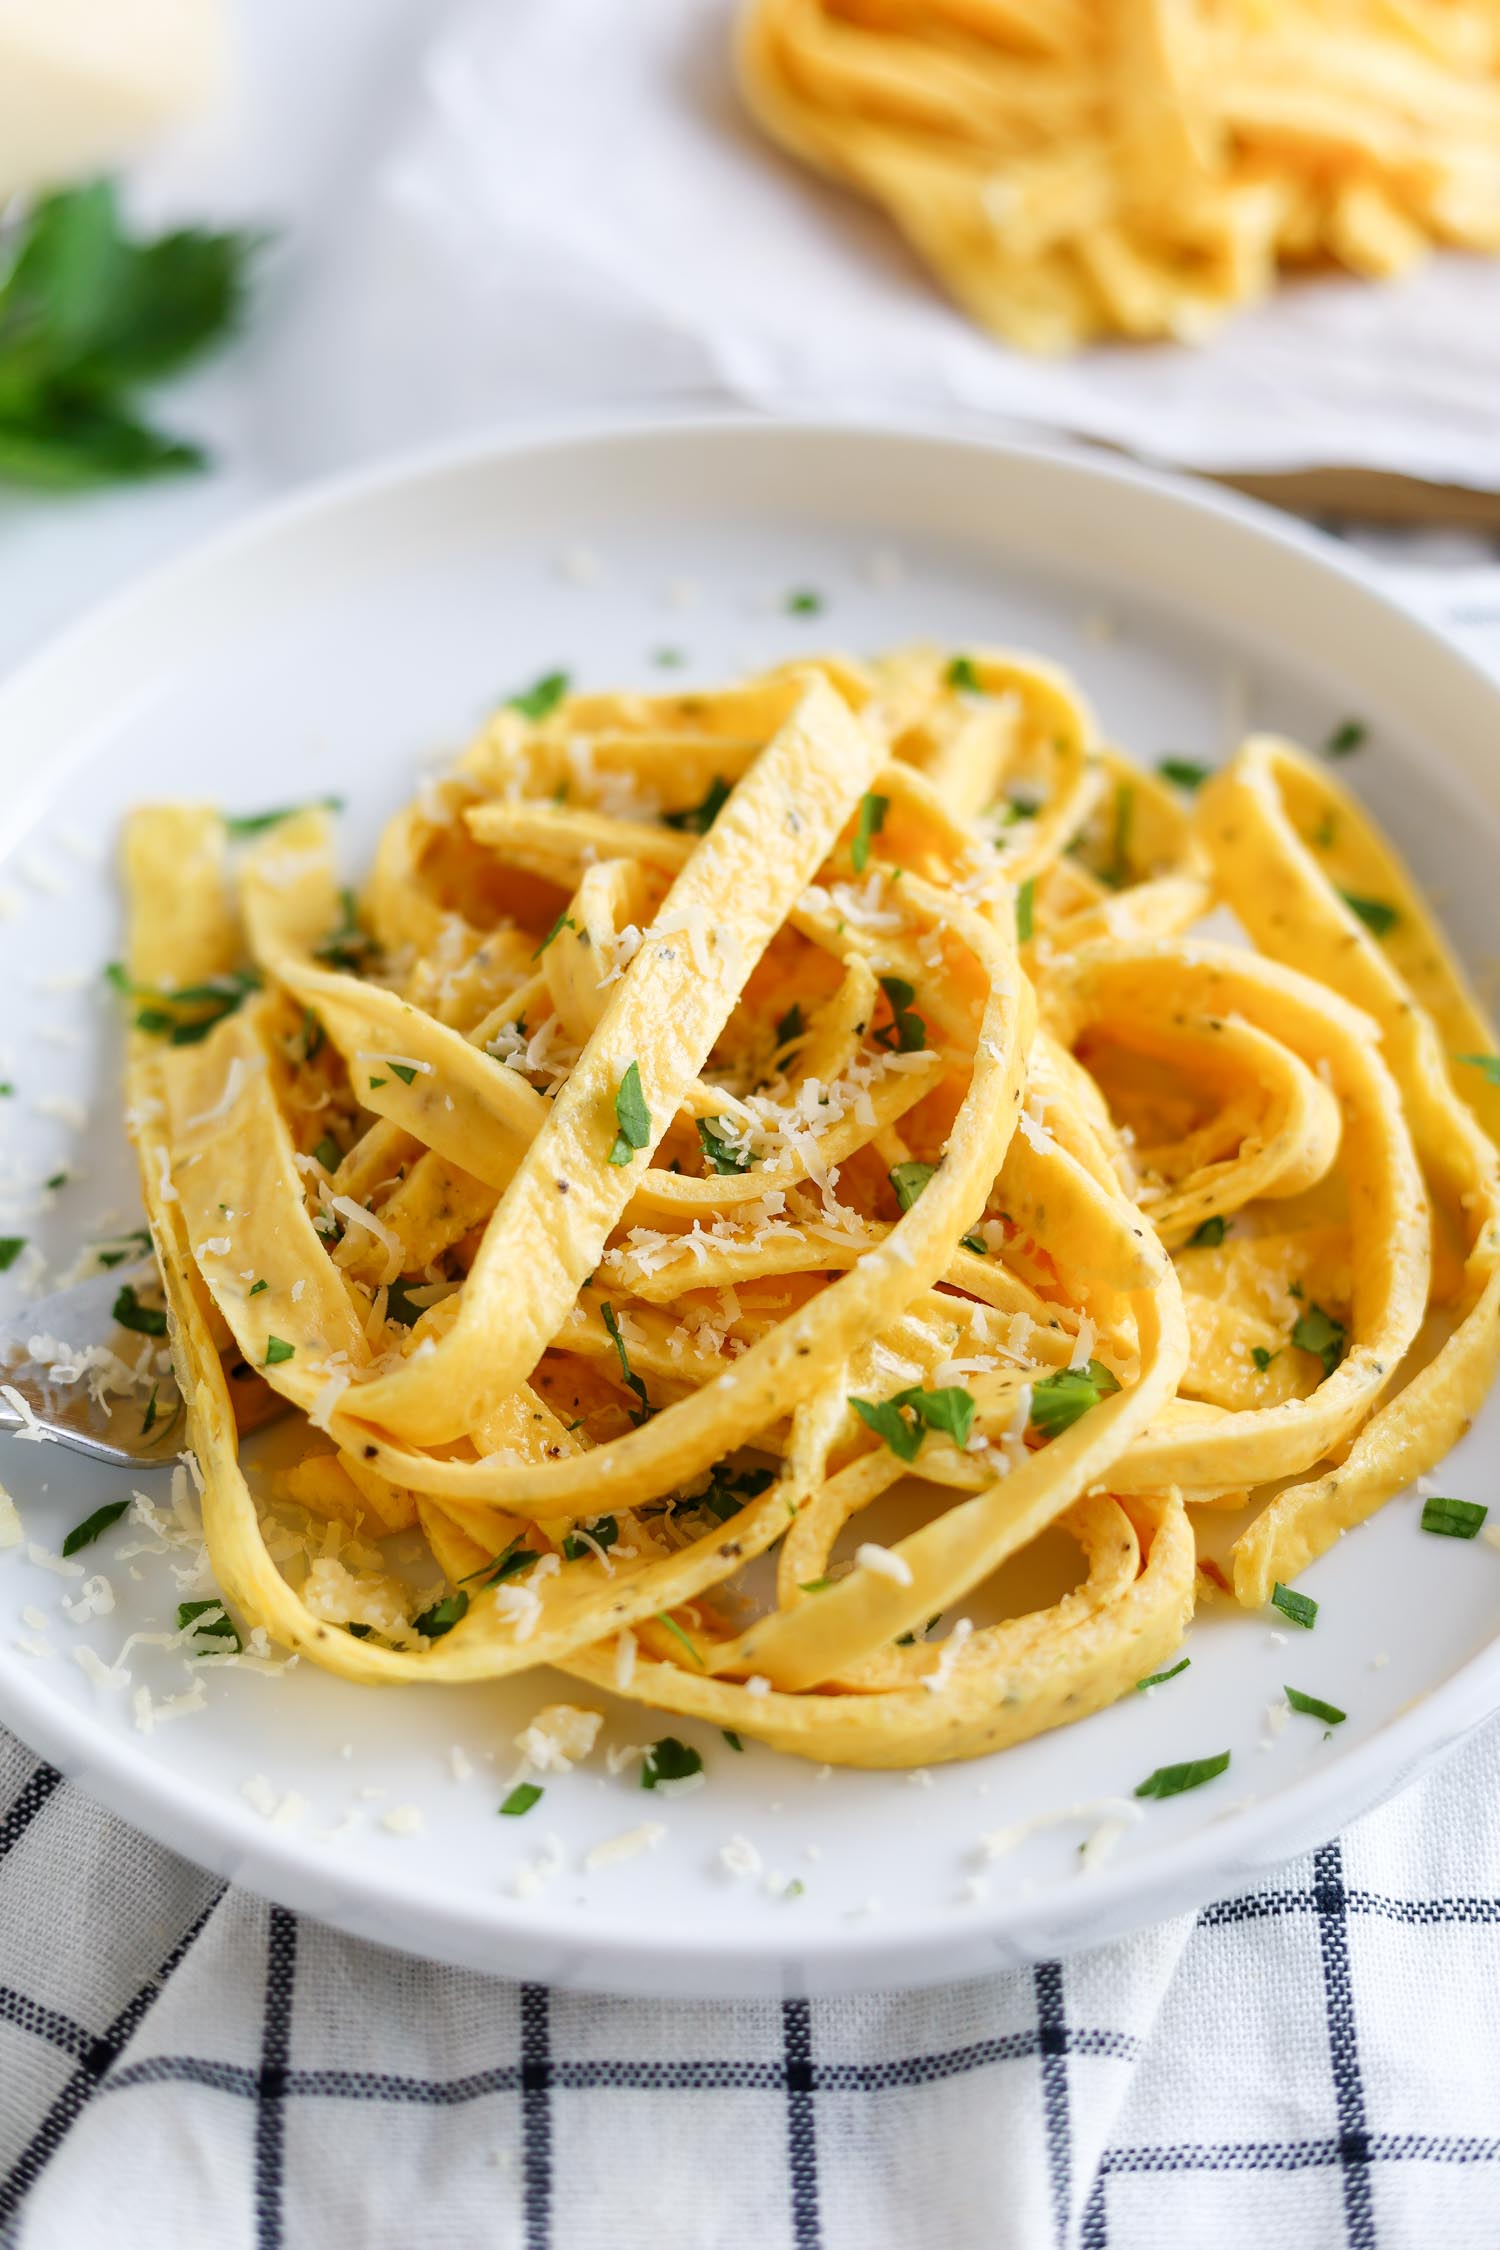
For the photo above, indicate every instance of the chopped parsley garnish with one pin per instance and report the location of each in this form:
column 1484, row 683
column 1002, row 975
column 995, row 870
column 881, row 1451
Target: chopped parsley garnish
column 906, row 1031
column 632, row 1381
column 207, row 1004
column 1026, row 911
column 602, row 1532
column 1159, row 1679
column 359, row 1632
column 404, row 1071
column 11, row 1246
column 277, row 1351
column 312, row 1036
column 88, row 316
column 950, row 1409
column 443, row 1615
column 57, row 1180
column 1209, row 1235
column 543, row 696
column 719, row 1152
column 346, row 946
column 84, row 1534
column 1171, row 1781
column 909, row 1179
column 670, row 659
column 669, row 1760
column 513, row 1561
column 6, row 1088
column 1329, row 1713
column 1262, row 1357
column 872, row 812
column 792, row 1027
column 1183, row 773
column 727, row 1494
column 698, row 819
column 675, row 1629
column 1453, row 1519
column 1300, row 1609
column 219, row 1627
column 1058, row 1400
column 328, row 1153
column 1317, row 1331
column 564, row 921
column 256, row 823
column 1348, row 735
column 804, row 603
column 962, row 675
column 148, row 1419
column 521, row 1799
column 256, row 1288
column 632, row 1117
column 143, row 1320
column 731, row 1738
column 1488, row 1064
column 1378, row 917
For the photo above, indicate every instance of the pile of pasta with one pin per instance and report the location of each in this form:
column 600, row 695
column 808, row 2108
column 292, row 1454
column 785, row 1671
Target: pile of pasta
column 724, row 1111
column 1083, row 168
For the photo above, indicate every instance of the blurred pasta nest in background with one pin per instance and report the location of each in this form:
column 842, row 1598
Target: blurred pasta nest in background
column 1073, row 169
column 724, row 1114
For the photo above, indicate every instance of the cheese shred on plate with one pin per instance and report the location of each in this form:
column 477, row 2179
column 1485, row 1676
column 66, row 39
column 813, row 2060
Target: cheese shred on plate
column 685, row 1140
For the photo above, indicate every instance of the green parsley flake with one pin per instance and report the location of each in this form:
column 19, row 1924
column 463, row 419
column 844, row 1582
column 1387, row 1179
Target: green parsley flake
column 1209, row 1235
column 632, row 1116
column 906, row 1031
column 217, row 1624
column 721, row 1154
column 804, row 603
column 1488, row 1064
column 1262, row 1357
column 1378, row 917
column 443, row 1615
column 1349, row 735
column 1026, row 911
column 256, row 823
column 698, row 819
column 1300, row 1609
column 1317, row 1331
column 542, row 696
column 1183, row 773
column 791, row 1026
column 602, row 1532
column 674, row 1628
column 564, row 921
column 1453, row 1519
column 328, row 1153
column 142, row 1320
column 346, row 946
column 256, row 1288
column 521, row 1799
column 1058, row 1400
column 11, row 1246
column 278, row 1351
column 909, row 1180
column 732, row 1738
column 1329, row 1713
column 950, row 1409
column 962, row 675
column 1159, row 1679
column 669, row 1760
column 633, row 1381
column 871, row 820
column 84, row 1534
column 1172, row 1781
column 513, row 1561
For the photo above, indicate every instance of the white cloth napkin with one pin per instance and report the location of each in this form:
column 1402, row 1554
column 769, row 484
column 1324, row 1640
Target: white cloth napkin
column 577, row 207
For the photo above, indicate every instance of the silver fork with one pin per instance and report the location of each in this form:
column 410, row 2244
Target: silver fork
column 119, row 1429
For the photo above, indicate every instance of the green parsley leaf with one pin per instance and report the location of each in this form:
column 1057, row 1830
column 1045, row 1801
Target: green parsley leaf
column 88, row 314
column 143, row 1320
column 698, row 819
column 909, row 1179
column 11, row 1246
column 256, row 823
column 1317, row 1331
column 720, row 1154
column 674, row 1628
column 632, row 1116
column 669, row 1760
column 1453, row 1519
column 731, row 1738
column 1183, row 773
column 1300, row 1609
column 542, row 696
column 1488, row 1064
column 521, row 1799
column 1378, row 918
column 1329, row 1713
column 278, row 1351
column 669, row 659
column 84, row 1534
column 602, row 1532
column 443, row 1615
column 1058, row 1400
column 1262, row 1357
column 220, row 1625
column 804, row 603
column 1159, row 1679
column 564, row 921
column 513, row 1561
column 346, row 946
column 950, row 1409
column 633, row 1382
column 906, row 1031
column 962, row 675
column 871, row 820
column 790, row 1027
column 1348, row 735
column 328, row 1153
column 359, row 1632
column 256, row 1288
column 6, row 1088
column 1026, row 911
column 1171, row 1781
column 403, row 1071
column 1209, row 1235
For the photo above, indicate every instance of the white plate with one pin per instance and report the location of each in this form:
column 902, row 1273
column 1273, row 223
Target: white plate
column 337, row 644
